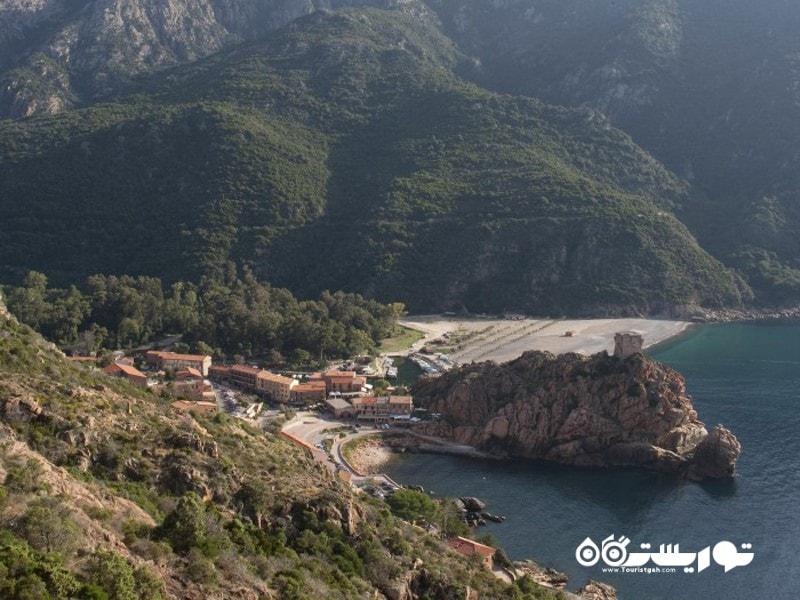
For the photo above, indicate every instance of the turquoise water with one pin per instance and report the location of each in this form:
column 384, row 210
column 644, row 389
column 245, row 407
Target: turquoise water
column 407, row 371
column 744, row 376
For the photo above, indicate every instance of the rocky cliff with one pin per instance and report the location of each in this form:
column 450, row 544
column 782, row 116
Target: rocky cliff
column 599, row 411
column 58, row 53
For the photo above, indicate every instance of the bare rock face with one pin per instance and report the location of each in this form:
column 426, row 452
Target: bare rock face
column 20, row 410
column 596, row 411
column 716, row 455
column 49, row 49
column 594, row 590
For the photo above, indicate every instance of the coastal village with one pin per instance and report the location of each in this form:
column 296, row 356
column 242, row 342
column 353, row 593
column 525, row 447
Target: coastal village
column 322, row 402
column 191, row 377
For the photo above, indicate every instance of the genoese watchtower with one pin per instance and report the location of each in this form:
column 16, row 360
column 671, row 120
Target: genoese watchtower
column 627, row 343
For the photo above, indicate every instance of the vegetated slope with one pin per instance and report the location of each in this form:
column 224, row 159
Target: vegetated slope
column 343, row 153
column 709, row 87
column 108, row 492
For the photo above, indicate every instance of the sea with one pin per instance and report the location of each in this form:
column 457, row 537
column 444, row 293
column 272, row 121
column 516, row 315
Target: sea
column 745, row 532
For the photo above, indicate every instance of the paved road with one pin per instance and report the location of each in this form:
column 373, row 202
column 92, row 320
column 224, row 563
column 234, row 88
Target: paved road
column 312, row 428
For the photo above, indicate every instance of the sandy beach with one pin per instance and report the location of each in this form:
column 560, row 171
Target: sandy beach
column 369, row 456
column 502, row 340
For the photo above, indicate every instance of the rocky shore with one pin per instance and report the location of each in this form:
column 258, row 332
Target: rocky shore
column 598, row 411
column 731, row 315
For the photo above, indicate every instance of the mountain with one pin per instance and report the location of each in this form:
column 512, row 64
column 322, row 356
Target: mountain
column 709, row 87
column 108, row 492
column 60, row 53
column 346, row 151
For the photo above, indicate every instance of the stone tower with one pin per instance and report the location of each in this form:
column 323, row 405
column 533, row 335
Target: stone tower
column 627, row 343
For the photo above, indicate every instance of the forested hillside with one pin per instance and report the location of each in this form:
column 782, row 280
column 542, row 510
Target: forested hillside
column 232, row 316
column 344, row 152
column 710, row 87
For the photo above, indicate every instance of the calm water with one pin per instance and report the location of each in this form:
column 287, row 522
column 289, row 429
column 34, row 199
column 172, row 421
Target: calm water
column 744, row 376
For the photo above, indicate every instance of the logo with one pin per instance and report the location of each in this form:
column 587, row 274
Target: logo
column 614, row 553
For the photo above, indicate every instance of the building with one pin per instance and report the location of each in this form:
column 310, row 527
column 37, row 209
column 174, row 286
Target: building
column 469, row 547
column 342, row 382
column 310, row 392
column 382, row 409
column 244, row 376
column 277, row 387
column 171, row 360
column 189, row 374
column 190, row 383
column 219, row 372
column 132, row 374
column 340, row 408
column 627, row 343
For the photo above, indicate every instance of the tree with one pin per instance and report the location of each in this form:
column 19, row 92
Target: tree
column 109, row 571
column 48, row 527
column 412, row 505
column 184, row 527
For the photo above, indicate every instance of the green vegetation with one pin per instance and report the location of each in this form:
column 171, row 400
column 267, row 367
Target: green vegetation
column 401, row 338
column 668, row 73
column 345, row 153
column 411, row 505
column 172, row 505
column 230, row 316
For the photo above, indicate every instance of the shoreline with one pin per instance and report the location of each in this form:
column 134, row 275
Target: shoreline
column 501, row 340
column 368, row 455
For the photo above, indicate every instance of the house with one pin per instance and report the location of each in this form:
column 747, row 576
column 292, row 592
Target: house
column 277, row 387
column 382, row 409
column 219, row 372
column 132, row 374
column 469, row 547
column 171, row 360
column 310, row 392
column 244, row 376
column 190, row 382
column 342, row 382
column 340, row 408
column 189, row 374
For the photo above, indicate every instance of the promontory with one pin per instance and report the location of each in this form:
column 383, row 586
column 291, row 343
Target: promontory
column 597, row 411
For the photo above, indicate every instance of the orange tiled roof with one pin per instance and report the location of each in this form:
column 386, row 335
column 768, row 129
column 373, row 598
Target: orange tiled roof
column 126, row 369
column 337, row 373
column 311, row 386
column 368, row 400
column 400, row 399
column 245, row 370
column 190, row 372
column 186, row 357
column 274, row 377
column 467, row 546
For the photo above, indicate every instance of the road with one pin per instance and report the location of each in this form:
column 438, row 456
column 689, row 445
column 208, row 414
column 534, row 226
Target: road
column 314, row 429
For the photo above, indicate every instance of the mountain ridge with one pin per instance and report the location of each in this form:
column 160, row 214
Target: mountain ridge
column 351, row 129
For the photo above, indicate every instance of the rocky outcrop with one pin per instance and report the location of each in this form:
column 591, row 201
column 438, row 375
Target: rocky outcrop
column 598, row 411
column 595, row 590
column 716, row 455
